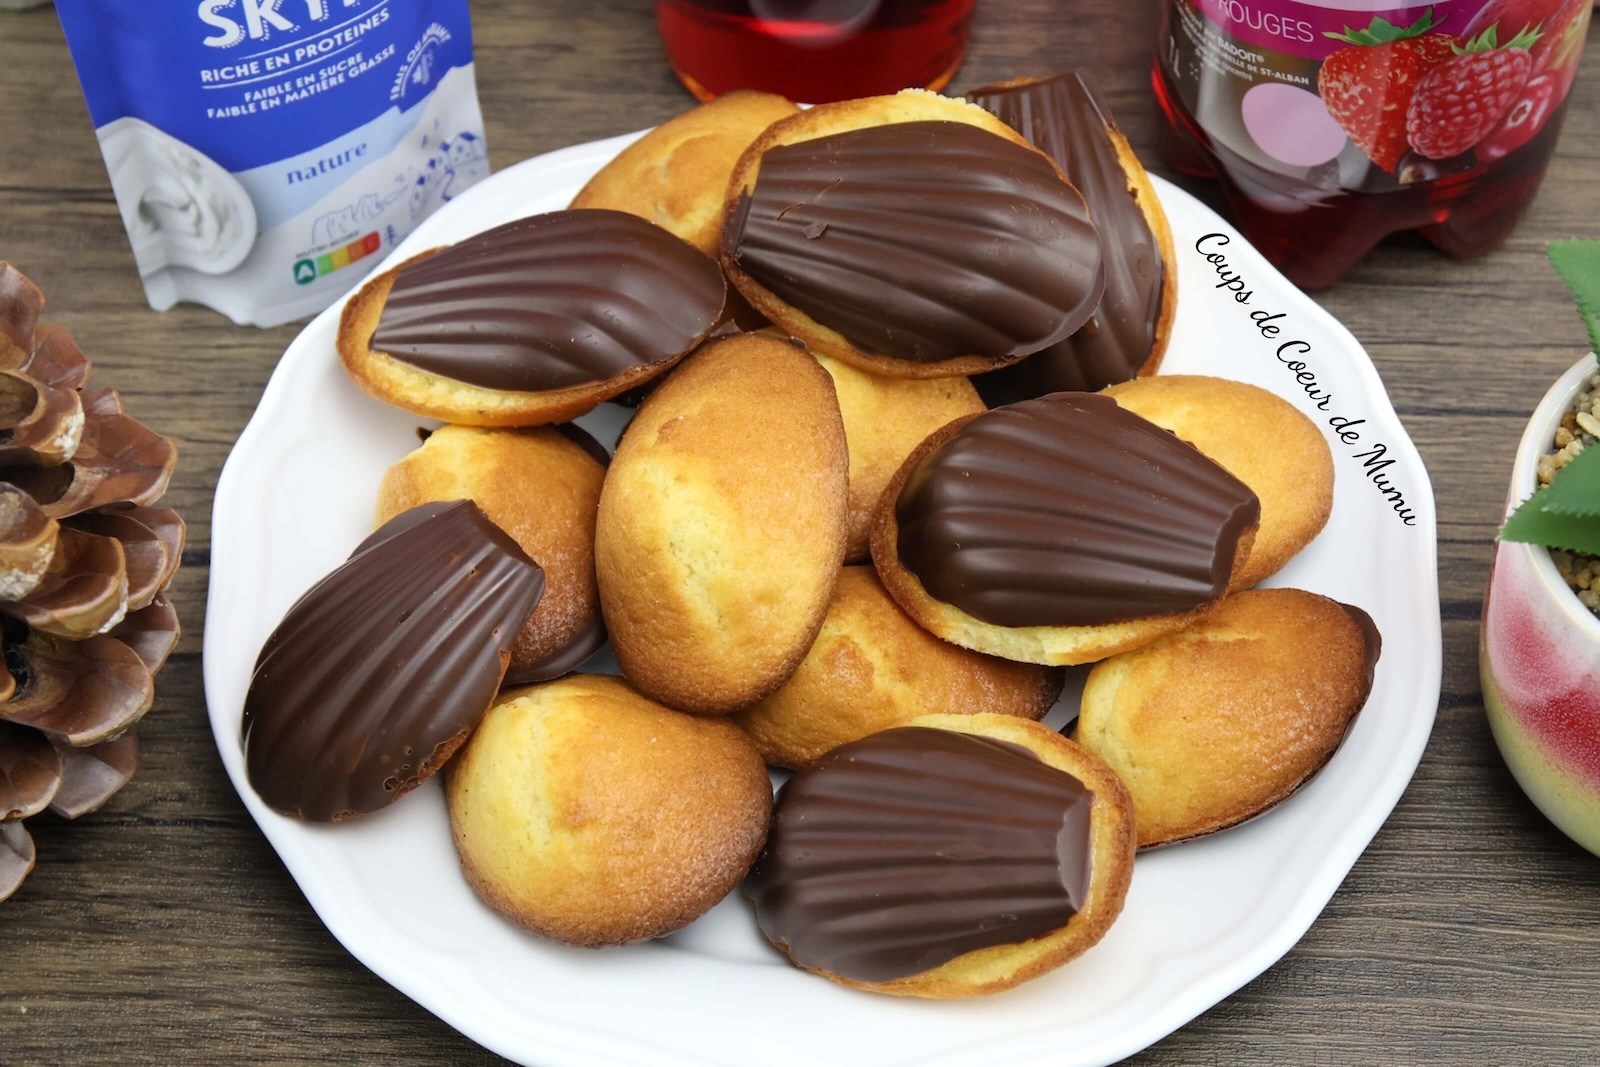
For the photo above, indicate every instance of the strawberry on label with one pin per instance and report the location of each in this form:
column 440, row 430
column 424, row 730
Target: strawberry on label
column 1367, row 86
column 1462, row 100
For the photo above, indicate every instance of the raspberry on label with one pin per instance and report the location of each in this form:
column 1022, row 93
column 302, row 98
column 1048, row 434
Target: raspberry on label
column 1460, row 102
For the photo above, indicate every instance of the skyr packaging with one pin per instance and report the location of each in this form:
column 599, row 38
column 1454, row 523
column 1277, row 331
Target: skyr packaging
column 265, row 154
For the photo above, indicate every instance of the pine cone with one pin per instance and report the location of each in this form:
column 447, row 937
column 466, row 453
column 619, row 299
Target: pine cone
column 85, row 560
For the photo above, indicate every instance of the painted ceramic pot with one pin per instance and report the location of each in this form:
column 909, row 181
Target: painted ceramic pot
column 1539, row 654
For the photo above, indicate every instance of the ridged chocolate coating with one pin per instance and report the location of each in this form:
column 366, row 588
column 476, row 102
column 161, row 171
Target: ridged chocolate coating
column 1070, row 511
column 551, row 301
column 897, row 853
column 379, row 672
column 1062, row 117
column 926, row 241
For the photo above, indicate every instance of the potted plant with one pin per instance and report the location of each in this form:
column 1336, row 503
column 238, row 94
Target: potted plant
column 1539, row 648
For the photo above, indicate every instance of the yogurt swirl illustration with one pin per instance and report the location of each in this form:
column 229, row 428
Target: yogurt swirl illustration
column 180, row 207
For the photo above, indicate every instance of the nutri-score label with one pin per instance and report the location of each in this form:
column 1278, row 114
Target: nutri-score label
column 1333, row 91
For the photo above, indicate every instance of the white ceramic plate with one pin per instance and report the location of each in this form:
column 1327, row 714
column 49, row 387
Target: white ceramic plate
column 1201, row 920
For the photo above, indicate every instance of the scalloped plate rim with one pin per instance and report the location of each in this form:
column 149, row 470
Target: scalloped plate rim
column 560, row 1043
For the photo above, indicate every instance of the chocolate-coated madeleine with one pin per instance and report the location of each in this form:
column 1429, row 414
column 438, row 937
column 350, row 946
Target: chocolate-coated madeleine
column 722, row 525
column 1217, row 723
column 588, row 813
column 532, row 322
column 884, row 419
column 677, row 174
column 910, row 235
column 1063, row 117
column 955, row 856
column 1060, row 530
column 872, row 668
column 379, row 672
column 1263, row 440
column 541, row 485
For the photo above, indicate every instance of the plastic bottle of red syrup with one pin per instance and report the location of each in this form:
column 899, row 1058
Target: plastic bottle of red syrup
column 1333, row 123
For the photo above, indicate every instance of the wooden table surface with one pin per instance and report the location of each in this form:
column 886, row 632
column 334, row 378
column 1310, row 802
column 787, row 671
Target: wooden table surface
column 164, row 931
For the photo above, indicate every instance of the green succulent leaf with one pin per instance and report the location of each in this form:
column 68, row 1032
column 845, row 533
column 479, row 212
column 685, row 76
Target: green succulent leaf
column 1578, row 263
column 1575, row 490
column 1565, row 513
column 1532, row 525
column 1382, row 31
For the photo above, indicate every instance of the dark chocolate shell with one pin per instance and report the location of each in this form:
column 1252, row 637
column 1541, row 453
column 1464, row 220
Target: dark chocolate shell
column 152, row 541
column 566, row 659
column 152, row 633
column 43, row 424
column 925, row 241
column 897, row 853
column 381, row 670
column 30, row 772
column 119, row 460
column 82, row 692
column 27, row 542
column 91, row 776
column 550, row 302
column 1064, row 119
column 21, row 302
column 57, row 360
column 84, row 591
column 16, row 854
column 1069, row 510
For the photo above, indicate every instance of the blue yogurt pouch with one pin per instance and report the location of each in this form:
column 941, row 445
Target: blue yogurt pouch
column 265, row 154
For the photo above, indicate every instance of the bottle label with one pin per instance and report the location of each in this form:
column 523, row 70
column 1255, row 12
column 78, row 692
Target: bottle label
column 1370, row 94
column 265, row 154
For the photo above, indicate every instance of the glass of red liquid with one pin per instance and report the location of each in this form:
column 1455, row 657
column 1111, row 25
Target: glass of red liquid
column 814, row 51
